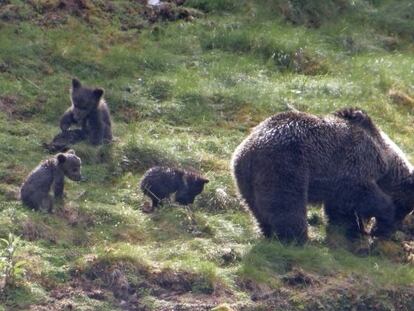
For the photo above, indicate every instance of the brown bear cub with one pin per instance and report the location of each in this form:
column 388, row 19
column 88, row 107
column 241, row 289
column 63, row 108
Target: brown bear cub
column 160, row 182
column 89, row 111
column 35, row 190
column 342, row 160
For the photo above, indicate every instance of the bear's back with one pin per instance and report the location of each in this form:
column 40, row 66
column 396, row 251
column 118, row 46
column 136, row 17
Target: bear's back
column 330, row 146
column 39, row 179
column 162, row 181
column 399, row 167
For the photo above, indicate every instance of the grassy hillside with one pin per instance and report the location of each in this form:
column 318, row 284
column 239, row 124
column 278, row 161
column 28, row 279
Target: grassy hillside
column 185, row 83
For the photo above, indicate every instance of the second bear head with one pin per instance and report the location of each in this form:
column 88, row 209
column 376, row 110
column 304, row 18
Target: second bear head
column 70, row 165
column 84, row 99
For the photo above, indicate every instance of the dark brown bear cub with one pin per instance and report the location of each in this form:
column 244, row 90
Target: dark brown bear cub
column 89, row 111
column 343, row 161
column 35, row 190
column 160, row 182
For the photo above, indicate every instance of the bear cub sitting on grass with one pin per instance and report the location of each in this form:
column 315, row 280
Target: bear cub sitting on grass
column 35, row 190
column 160, row 182
column 88, row 111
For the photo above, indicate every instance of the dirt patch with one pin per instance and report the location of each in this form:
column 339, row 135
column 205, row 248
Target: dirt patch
column 33, row 231
column 56, row 12
column 77, row 7
column 129, row 114
column 13, row 174
column 306, row 64
column 74, row 216
column 129, row 282
column 113, row 279
column 131, row 14
column 173, row 281
column 401, row 98
column 74, row 5
column 10, row 192
column 63, row 297
column 8, row 105
column 299, row 278
column 170, row 11
column 16, row 107
column 13, row 107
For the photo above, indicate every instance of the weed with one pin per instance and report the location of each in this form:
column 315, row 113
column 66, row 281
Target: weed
column 12, row 270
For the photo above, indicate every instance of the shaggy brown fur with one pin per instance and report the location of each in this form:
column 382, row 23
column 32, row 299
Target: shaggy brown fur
column 343, row 161
column 89, row 111
column 160, row 182
column 35, row 190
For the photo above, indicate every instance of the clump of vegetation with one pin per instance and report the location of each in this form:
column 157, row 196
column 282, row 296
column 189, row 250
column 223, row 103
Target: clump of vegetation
column 161, row 90
column 139, row 157
column 12, row 270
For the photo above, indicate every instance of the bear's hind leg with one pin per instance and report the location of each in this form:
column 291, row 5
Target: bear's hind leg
column 40, row 201
column 280, row 201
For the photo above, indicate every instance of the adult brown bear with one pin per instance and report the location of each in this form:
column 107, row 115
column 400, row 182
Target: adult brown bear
column 342, row 160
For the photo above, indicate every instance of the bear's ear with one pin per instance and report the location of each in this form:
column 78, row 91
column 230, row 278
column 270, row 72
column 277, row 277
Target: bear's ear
column 76, row 83
column 61, row 158
column 71, row 151
column 98, row 93
column 204, row 180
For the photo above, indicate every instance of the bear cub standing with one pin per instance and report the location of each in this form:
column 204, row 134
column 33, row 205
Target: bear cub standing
column 35, row 190
column 160, row 182
column 90, row 111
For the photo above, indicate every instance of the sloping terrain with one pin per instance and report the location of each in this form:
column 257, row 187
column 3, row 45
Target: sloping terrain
column 185, row 81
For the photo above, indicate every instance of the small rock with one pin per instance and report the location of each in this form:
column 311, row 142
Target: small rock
column 147, row 207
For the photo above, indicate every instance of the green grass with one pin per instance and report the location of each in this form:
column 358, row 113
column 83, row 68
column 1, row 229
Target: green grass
column 266, row 261
column 186, row 93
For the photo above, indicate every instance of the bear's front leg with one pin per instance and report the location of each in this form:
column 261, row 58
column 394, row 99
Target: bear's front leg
column 352, row 200
column 58, row 185
column 96, row 129
column 67, row 120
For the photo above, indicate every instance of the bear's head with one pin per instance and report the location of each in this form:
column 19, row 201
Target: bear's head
column 84, row 100
column 193, row 185
column 403, row 198
column 70, row 164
